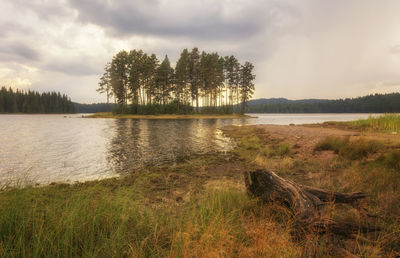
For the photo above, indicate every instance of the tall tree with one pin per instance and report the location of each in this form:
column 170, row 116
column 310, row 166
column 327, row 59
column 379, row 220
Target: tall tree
column 135, row 74
column 165, row 77
column 232, row 75
column 182, row 78
column 150, row 75
column 105, row 85
column 246, row 83
column 194, row 75
column 119, row 77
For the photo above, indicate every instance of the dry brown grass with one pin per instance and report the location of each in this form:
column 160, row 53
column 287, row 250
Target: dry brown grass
column 347, row 162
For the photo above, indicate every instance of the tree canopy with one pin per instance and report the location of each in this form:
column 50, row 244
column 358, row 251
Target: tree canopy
column 200, row 82
column 18, row 101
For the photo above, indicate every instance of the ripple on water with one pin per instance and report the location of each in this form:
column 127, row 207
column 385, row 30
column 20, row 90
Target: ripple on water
column 48, row 148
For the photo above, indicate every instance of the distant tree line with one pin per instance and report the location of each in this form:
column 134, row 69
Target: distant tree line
column 201, row 82
column 377, row 103
column 20, row 101
column 94, row 107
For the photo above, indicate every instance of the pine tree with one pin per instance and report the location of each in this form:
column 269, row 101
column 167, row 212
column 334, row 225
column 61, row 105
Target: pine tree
column 246, row 83
column 105, row 85
column 119, row 77
column 165, row 77
column 182, row 78
column 194, row 75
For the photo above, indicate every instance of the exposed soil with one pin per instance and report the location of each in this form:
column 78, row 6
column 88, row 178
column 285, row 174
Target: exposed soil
column 176, row 184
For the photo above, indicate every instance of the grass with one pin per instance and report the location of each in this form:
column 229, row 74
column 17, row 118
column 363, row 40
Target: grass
column 92, row 220
column 166, row 116
column 390, row 159
column 388, row 123
column 200, row 207
column 366, row 163
column 352, row 150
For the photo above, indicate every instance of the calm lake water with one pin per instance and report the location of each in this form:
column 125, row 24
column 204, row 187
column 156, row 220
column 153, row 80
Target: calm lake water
column 58, row 148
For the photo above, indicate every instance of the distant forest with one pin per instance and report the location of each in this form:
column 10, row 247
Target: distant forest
column 95, row 107
column 19, row 101
column 378, row 103
column 140, row 84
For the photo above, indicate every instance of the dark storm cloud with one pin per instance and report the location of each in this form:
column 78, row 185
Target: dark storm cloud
column 207, row 21
column 18, row 51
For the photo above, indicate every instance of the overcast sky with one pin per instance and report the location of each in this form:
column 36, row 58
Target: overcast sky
column 300, row 49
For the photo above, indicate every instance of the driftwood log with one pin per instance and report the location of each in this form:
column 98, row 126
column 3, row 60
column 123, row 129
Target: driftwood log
column 309, row 205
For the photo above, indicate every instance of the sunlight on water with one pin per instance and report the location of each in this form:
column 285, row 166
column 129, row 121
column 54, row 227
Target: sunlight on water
column 58, row 148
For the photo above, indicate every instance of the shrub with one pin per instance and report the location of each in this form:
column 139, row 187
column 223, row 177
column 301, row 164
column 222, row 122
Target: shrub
column 283, row 149
column 250, row 142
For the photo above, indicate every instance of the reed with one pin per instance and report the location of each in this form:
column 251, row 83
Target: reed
column 387, row 123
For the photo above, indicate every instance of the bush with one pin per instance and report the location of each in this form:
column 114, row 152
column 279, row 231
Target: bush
column 250, row 142
column 283, row 149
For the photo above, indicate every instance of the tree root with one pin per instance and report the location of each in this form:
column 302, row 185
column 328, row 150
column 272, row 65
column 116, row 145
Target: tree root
column 308, row 205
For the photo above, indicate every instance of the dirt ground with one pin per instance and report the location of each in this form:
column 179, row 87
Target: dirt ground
column 176, row 184
column 305, row 137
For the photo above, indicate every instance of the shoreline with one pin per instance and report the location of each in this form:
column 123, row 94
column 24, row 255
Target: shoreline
column 169, row 210
column 166, row 116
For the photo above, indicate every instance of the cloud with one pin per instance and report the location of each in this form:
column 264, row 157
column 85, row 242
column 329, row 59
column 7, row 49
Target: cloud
column 18, row 51
column 202, row 20
column 75, row 68
column 395, row 50
column 300, row 49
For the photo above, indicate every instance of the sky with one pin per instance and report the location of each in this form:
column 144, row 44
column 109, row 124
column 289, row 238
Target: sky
column 300, row 49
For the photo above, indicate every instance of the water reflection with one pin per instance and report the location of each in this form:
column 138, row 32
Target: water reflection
column 139, row 143
column 49, row 148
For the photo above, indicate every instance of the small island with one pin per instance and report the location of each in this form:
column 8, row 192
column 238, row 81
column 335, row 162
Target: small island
column 202, row 85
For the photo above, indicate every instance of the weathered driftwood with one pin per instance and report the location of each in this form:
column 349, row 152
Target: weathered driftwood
column 308, row 204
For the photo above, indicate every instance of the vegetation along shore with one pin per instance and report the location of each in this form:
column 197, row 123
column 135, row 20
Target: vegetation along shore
column 199, row 207
column 167, row 116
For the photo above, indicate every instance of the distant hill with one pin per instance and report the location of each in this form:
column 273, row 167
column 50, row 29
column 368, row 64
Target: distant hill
column 377, row 103
column 94, row 107
column 264, row 101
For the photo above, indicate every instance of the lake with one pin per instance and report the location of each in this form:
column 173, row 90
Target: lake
column 68, row 148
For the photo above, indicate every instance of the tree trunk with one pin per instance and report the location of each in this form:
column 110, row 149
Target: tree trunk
column 307, row 204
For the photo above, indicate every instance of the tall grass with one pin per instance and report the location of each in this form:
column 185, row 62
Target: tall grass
column 387, row 122
column 369, row 163
column 100, row 220
column 352, row 150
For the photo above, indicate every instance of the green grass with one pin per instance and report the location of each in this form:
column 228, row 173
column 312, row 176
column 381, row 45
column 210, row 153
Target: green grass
column 352, row 150
column 388, row 123
column 100, row 220
column 139, row 215
column 250, row 143
column 390, row 159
